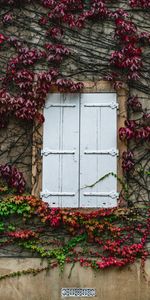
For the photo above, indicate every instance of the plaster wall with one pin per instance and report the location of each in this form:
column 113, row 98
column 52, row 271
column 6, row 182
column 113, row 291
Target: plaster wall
column 128, row 283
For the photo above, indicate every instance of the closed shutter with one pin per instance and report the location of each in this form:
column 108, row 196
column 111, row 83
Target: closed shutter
column 80, row 147
column 61, row 151
column 98, row 150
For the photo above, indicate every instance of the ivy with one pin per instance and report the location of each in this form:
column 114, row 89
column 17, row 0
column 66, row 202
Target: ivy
column 98, row 239
column 30, row 70
column 8, row 208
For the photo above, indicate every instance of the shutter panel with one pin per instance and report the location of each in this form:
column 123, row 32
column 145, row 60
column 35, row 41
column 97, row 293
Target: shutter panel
column 61, row 151
column 79, row 147
column 98, row 144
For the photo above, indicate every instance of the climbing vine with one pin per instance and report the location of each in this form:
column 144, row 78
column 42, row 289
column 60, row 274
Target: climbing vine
column 97, row 239
column 48, row 45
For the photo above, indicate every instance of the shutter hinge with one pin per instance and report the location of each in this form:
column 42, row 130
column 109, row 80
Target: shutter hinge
column 46, row 194
column 46, row 152
column 112, row 152
column 111, row 194
column 112, row 105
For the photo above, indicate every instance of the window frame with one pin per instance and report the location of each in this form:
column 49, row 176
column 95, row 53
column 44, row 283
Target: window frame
column 89, row 87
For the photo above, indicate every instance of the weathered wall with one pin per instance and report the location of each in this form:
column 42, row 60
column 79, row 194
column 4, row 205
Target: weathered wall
column 120, row 284
column 128, row 283
column 16, row 147
column 91, row 49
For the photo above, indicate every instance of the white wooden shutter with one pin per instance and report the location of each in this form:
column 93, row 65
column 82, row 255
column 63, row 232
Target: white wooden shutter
column 79, row 147
column 98, row 149
column 61, row 151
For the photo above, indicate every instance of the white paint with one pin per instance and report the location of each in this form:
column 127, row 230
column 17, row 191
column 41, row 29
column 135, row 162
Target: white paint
column 79, row 147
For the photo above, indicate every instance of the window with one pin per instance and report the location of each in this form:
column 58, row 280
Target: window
column 79, row 148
